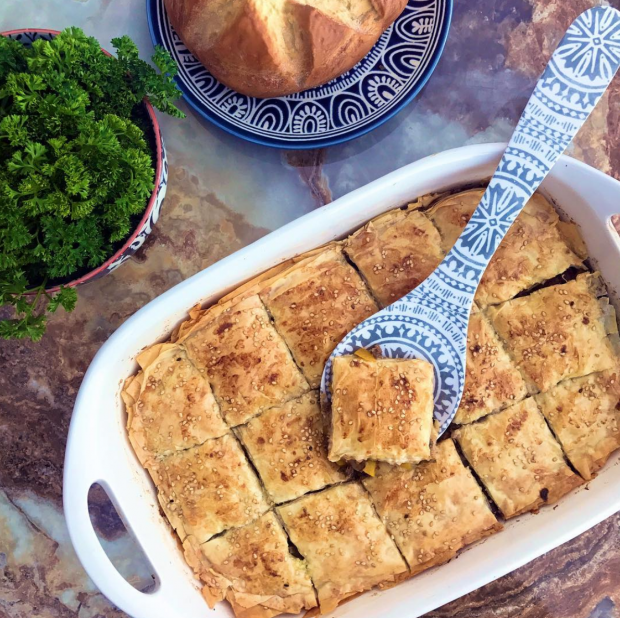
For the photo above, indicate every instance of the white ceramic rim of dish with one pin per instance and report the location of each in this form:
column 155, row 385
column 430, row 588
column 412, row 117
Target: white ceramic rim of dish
column 98, row 450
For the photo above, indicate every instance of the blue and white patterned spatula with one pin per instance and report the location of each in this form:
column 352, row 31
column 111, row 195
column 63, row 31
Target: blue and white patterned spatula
column 431, row 321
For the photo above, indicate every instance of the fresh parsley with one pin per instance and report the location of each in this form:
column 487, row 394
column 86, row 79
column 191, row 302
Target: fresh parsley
column 75, row 163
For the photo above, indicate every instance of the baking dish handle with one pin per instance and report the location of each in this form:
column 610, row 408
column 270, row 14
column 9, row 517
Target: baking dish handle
column 93, row 557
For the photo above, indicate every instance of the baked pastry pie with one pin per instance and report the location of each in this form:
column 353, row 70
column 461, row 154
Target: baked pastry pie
column 517, row 459
column 347, row 548
column 432, row 510
column 584, row 414
column 314, row 305
column 533, row 251
column 248, row 365
column 395, row 253
column 288, row 447
column 558, row 332
column 278, row 501
column 252, row 568
column 207, row 489
column 382, row 409
column 170, row 406
column 492, row 380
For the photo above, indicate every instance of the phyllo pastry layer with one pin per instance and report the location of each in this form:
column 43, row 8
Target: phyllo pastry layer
column 288, row 446
column 395, row 252
column 584, row 414
column 533, row 250
column 432, row 510
column 252, row 568
column 248, row 364
column 208, row 489
column 346, row 545
column 170, row 405
column 517, row 458
column 492, row 380
column 314, row 305
column 558, row 332
column 382, row 410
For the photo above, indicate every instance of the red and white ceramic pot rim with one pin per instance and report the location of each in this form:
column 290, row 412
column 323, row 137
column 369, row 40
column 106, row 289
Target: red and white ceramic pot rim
column 158, row 169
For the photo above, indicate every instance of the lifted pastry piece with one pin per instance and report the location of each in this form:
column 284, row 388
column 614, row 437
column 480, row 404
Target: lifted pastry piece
column 346, row 545
column 558, row 332
column 208, row 489
column 584, row 414
column 382, row 410
column 517, row 458
column 252, row 568
column 248, row 365
column 432, row 510
column 288, row 446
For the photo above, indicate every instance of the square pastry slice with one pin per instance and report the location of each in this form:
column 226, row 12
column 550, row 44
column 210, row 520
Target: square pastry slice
column 533, row 250
column 170, row 405
column 314, row 305
column 584, row 414
column 395, row 252
column 517, row 458
column 252, row 568
column 248, row 365
column 208, row 489
column 432, row 510
column 288, row 446
column 382, row 409
column 492, row 380
column 558, row 332
column 347, row 548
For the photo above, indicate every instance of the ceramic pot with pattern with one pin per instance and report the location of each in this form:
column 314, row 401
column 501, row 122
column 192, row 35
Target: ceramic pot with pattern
column 152, row 209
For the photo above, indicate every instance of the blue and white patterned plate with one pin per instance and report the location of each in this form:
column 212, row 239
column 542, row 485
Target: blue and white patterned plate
column 375, row 89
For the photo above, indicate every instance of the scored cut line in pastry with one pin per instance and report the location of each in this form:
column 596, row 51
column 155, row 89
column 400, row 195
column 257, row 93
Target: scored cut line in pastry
column 432, row 510
column 247, row 362
column 516, row 457
column 288, row 446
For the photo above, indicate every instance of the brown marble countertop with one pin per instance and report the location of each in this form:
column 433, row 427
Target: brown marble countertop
column 223, row 194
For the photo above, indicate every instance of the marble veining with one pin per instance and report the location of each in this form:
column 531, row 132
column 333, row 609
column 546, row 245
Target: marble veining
column 224, row 194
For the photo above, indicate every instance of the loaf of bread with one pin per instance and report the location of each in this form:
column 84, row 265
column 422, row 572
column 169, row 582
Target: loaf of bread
column 269, row 48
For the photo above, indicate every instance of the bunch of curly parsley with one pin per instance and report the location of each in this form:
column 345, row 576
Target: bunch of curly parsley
column 75, row 165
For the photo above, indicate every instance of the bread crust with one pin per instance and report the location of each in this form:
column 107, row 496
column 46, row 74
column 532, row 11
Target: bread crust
column 264, row 49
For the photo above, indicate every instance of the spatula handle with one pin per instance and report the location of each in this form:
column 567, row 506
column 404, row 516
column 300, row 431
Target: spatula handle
column 576, row 77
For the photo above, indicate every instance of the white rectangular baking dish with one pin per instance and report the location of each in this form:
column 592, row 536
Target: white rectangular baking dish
column 98, row 449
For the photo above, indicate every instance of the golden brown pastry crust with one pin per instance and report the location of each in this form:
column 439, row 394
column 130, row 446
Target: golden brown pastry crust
column 584, row 414
column 169, row 404
column 533, row 250
column 382, row 410
column 493, row 377
column 288, row 446
column 208, row 489
column 395, row 253
column 347, row 548
column 314, row 305
column 556, row 333
column 517, row 458
column 432, row 510
column 248, row 365
column 492, row 380
column 252, row 568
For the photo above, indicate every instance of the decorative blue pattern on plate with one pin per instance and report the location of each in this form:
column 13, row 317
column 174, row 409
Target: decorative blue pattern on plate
column 361, row 99
column 431, row 321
